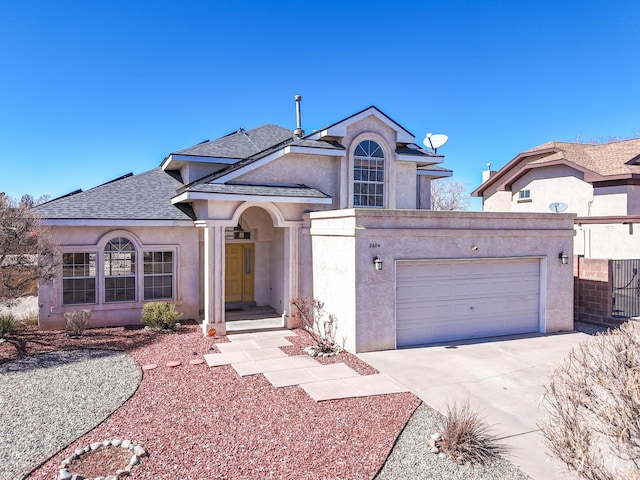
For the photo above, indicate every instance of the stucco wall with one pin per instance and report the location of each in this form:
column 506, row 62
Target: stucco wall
column 85, row 239
column 416, row 234
column 615, row 241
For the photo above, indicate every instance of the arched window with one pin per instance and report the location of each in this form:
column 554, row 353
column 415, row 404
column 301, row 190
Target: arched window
column 368, row 175
column 119, row 271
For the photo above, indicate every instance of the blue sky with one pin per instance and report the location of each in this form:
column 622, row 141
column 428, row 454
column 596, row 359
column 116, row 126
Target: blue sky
column 93, row 90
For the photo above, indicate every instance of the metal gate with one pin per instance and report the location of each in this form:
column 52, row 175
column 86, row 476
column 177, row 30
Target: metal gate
column 626, row 288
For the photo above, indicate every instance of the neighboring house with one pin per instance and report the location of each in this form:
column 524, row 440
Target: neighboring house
column 340, row 214
column 599, row 183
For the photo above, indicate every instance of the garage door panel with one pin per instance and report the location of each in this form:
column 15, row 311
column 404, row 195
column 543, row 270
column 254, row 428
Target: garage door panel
column 452, row 300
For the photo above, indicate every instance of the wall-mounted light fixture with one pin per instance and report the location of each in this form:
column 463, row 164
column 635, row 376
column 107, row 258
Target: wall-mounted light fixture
column 377, row 262
column 564, row 258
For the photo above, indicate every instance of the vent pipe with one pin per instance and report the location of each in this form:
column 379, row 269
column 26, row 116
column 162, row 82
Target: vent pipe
column 298, row 132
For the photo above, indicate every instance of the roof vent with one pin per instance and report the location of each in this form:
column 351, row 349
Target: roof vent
column 298, row 132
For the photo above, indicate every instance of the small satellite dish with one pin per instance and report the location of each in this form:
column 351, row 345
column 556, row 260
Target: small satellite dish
column 435, row 141
column 557, row 207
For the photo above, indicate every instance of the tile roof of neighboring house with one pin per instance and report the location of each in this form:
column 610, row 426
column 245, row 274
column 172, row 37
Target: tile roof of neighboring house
column 257, row 189
column 606, row 159
column 146, row 196
column 614, row 160
column 241, row 143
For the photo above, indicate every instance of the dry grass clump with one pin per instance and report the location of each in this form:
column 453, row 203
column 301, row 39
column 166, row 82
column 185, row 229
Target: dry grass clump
column 593, row 407
column 467, row 438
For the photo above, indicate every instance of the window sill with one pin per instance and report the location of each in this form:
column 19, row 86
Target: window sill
column 524, row 200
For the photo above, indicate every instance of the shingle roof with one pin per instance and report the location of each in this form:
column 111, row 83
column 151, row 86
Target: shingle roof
column 146, row 196
column 606, row 159
column 240, row 144
column 297, row 190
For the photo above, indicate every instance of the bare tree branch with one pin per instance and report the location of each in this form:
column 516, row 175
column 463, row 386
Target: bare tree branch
column 449, row 194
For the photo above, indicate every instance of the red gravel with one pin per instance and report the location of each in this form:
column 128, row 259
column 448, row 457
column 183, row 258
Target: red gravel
column 198, row 422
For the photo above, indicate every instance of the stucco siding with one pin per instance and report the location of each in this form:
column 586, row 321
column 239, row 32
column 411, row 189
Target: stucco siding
column 417, row 234
column 407, row 194
column 183, row 240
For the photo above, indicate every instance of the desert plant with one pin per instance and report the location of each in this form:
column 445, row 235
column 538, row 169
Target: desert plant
column 466, row 437
column 7, row 324
column 592, row 406
column 76, row 322
column 160, row 315
column 321, row 326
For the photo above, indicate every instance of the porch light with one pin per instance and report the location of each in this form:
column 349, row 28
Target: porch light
column 564, row 258
column 377, row 262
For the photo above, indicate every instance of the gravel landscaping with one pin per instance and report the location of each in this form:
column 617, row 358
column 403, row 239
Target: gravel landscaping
column 200, row 422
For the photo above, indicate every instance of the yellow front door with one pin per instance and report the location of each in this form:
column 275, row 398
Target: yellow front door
column 238, row 281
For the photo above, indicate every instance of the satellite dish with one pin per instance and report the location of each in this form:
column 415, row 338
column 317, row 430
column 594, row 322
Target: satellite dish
column 557, row 207
column 435, row 141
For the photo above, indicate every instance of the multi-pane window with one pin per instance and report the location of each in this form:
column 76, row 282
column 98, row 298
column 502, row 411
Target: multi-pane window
column 119, row 271
column 78, row 278
column 368, row 175
column 158, row 275
column 524, row 194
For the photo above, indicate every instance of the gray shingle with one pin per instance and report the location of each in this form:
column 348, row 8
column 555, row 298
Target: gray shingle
column 240, row 144
column 146, row 196
column 255, row 189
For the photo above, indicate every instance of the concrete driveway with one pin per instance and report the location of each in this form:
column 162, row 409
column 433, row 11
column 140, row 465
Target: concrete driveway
column 502, row 377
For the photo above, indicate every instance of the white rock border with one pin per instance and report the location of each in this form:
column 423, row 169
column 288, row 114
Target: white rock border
column 137, row 453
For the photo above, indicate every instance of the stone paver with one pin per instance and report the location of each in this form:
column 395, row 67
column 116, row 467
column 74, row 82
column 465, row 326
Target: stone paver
column 296, row 376
column 364, row 386
column 272, row 364
column 258, row 353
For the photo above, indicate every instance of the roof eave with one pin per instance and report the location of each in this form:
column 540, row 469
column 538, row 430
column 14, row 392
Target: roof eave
column 191, row 196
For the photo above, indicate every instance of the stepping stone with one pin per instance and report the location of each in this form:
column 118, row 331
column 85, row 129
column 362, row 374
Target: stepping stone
column 172, row 364
column 362, row 386
column 196, row 361
column 267, row 342
column 227, row 358
column 237, row 337
column 273, row 364
column 149, row 366
column 296, row 376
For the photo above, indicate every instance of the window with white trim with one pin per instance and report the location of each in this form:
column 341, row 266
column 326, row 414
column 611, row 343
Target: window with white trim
column 119, row 271
column 368, row 175
column 158, row 275
column 78, row 278
column 524, row 194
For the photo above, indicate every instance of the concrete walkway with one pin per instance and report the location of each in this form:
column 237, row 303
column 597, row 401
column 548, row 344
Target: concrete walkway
column 503, row 378
column 258, row 353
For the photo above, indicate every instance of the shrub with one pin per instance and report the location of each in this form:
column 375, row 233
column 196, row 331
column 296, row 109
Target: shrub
column 592, row 406
column 7, row 324
column 465, row 434
column 76, row 322
column 321, row 326
column 160, row 315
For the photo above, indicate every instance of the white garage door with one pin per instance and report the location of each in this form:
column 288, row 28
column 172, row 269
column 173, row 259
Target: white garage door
column 441, row 300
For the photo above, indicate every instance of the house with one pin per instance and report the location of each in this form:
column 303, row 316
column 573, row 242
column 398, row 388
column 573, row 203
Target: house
column 340, row 214
column 601, row 185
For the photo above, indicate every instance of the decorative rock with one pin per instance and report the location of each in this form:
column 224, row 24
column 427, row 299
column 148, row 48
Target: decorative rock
column 78, row 452
column 64, row 463
column 64, row 474
column 442, row 455
column 432, row 442
column 436, row 436
column 95, row 445
column 111, row 477
column 99, row 478
column 125, row 443
column 106, row 443
column 172, row 364
column 196, row 361
column 116, row 442
column 135, row 460
column 121, row 472
column 138, row 450
column 434, row 450
column 149, row 366
column 77, row 477
column 87, row 449
column 460, row 460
